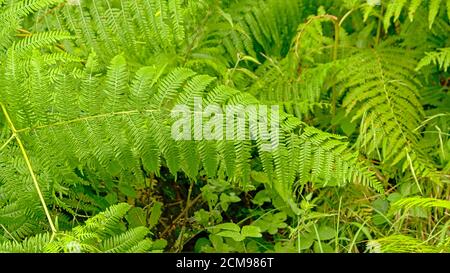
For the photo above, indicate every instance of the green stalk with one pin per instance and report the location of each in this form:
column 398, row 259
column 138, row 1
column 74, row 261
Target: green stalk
column 30, row 167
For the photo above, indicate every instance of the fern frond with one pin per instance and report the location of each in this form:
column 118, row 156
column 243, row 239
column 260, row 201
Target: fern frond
column 100, row 233
column 296, row 89
column 124, row 242
column 440, row 58
column 137, row 27
column 39, row 40
column 328, row 158
column 12, row 14
column 400, row 244
column 394, row 9
column 29, row 245
column 257, row 25
column 114, row 130
column 383, row 93
column 419, row 202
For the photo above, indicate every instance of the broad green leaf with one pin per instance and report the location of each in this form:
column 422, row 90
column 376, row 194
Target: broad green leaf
column 261, row 197
column 306, row 242
column 228, row 226
column 231, row 234
column 136, row 217
column 251, row 231
column 326, row 233
column 155, row 214
column 127, row 189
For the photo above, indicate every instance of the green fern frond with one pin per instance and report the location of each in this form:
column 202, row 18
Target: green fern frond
column 419, row 202
column 440, row 58
column 383, row 93
column 30, row 245
column 159, row 26
column 124, row 242
column 296, row 89
column 328, row 158
column 114, row 130
column 400, row 244
column 12, row 14
column 394, row 9
column 258, row 25
column 100, row 233
column 39, row 40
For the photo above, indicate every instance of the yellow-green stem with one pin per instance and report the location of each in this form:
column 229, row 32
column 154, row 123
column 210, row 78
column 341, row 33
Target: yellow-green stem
column 29, row 166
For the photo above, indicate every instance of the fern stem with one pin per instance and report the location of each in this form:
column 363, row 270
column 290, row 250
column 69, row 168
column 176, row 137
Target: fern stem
column 8, row 233
column 7, row 142
column 67, row 122
column 30, row 167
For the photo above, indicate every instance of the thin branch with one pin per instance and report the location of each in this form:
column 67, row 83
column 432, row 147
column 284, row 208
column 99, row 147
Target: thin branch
column 183, row 213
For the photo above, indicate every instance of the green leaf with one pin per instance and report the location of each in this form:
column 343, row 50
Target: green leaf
column 237, row 236
column 250, row 58
column 227, row 17
column 326, row 233
column 228, row 226
column 155, row 214
column 159, row 244
column 127, row 189
column 136, row 217
column 261, row 197
column 251, row 231
column 306, row 242
column 111, row 198
column 226, row 199
column 381, row 205
column 260, row 177
column 272, row 222
column 393, row 197
column 202, row 217
column 201, row 245
column 320, row 247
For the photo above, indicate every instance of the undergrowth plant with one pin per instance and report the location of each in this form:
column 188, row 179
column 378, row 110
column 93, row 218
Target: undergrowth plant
column 358, row 161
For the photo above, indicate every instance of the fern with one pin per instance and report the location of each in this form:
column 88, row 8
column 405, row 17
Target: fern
column 394, row 9
column 419, row 202
column 400, row 244
column 440, row 58
column 120, row 127
column 384, row 95
column 90, row 94
column 292, row 82
column 258, row 26
column 12, row 15
column 157, row 27
column 100, row 233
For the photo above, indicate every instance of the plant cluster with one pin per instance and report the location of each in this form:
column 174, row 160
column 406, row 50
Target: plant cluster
column 88, row 162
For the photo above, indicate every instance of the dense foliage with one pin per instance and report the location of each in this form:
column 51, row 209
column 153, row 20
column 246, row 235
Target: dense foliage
column 88, row 162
